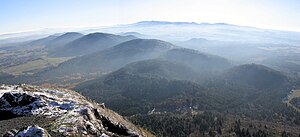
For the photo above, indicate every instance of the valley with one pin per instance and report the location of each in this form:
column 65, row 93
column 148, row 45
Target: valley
column 170, row 85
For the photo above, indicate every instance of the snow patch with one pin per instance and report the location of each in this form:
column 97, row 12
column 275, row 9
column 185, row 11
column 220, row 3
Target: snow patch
column 32, row 131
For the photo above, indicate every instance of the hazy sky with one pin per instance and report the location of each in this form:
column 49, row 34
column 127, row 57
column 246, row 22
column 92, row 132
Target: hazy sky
column 26, row 15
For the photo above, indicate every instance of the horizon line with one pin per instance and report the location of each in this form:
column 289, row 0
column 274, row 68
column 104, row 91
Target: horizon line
column 118, row 24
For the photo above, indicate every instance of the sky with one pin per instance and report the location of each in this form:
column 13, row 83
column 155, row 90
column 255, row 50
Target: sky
column 29, row 15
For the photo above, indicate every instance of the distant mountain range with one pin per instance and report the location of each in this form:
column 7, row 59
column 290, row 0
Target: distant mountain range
column 181, row 31
column 162, row 85
column 213, row 86
column 256, row 76
column 62, row 40
column 118, row 56
column 90, row 43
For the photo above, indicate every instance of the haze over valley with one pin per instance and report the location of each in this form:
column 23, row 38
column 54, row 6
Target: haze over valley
column 151, row 78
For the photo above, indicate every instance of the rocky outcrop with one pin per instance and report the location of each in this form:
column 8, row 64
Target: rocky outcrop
column 31, row 131
column 74, row 115
column 16, row 99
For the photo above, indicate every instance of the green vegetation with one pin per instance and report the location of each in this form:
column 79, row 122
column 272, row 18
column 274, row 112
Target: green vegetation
column 166, row 89
column 181, row 125
column 136, row 91
column 210, row 124
column 34, row 65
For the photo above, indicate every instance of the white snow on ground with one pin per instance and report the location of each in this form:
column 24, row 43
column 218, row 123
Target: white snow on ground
column 65, row 106
column 32, row 131
column 73, row 113
column 4, row 89
column 51, row 103
column 104, row 135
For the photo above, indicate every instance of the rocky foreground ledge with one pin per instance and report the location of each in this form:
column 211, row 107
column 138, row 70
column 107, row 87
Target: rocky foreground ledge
column 67, row 114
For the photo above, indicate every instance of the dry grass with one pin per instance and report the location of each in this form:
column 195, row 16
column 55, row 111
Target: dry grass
column 34, row 65
column 296, row 93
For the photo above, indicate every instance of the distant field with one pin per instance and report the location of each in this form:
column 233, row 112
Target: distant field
column 34, row 65
column 296, row 93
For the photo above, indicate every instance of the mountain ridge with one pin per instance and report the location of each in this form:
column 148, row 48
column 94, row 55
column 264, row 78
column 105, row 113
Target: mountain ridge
column 91, row 43
column 73, row 114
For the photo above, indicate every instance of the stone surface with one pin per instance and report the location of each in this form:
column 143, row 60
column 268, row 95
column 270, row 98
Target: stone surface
column 73, row 113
